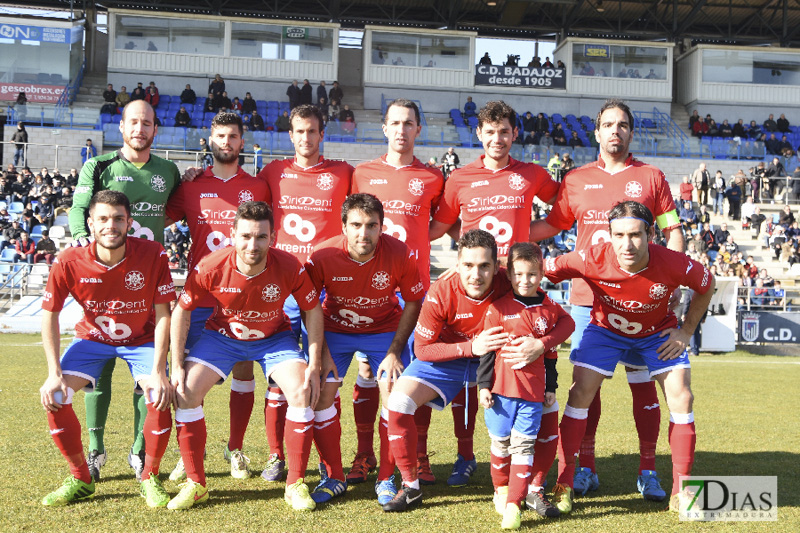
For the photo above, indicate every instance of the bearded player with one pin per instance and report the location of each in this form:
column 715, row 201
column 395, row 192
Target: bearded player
column 585, row 197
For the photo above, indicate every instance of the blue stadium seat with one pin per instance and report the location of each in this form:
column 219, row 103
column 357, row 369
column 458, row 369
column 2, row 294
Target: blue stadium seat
column 16, row 208
column 284, row 144
column 8, row 254
column 272, row 104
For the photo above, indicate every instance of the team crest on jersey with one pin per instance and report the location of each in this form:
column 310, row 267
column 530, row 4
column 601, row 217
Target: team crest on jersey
column 158, row 183
column 245, row 196
column 380, row 280
column 540, row 326
column 658, row 291
column 271, row 293
column 416, row 187
column 516, row 182
column 633, row 189
column 134, row 280
column 325, row 181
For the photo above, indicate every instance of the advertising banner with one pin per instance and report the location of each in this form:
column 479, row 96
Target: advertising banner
column 37, row 94
column 534, row 78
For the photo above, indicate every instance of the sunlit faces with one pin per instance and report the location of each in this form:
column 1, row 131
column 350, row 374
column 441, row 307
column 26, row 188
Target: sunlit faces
column 306, row 135
column 629, row 239
column 497, row 138
column 362, row 231
column 614, row 133
column 525, row 277
column 109, row 225
column 226, row 143
column 476, row 270
column 138, row 126
column 251, row 239
column 401, row 129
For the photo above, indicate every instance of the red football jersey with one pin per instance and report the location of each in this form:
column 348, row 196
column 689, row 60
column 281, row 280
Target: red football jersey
column 248, row 308
column 117, row 301
column 361, row 297
column 410, row 195
column 635, row 305
column 307, row 202
column 450, row 319
column 587, row 195
column 519, row 320
column 498, row 201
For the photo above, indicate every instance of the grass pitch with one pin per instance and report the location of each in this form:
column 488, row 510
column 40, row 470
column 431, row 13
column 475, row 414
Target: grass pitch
column 746, row 408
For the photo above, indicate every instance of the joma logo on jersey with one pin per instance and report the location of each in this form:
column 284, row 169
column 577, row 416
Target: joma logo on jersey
column 592, row 186
column 91, row 280
column 342, row 278
column 462, row 316
column 615, row 285
column 208, row 195
column 497, row 199
column 123, row 178
column 378, row 182
column 230, row 289
column 288, row 176
column 481, row 183
column 511, row 317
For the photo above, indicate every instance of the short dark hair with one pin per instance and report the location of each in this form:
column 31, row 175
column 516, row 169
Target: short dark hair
column 614, row 103
column 495, row 111
column 629, row 208
column 524, row 251
column 109, row 197
column 227, row 119
column 364, row 202
column 478, row 238
column 257, row 211
column 307, row 111
column 403, row 102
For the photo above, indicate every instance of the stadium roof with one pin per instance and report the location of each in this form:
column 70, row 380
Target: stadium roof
column 744, row 22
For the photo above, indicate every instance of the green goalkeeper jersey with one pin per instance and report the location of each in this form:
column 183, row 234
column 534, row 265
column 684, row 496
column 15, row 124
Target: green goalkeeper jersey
column 147, row 188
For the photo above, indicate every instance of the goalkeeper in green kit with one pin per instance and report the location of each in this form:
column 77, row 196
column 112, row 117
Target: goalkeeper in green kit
column 148, row 181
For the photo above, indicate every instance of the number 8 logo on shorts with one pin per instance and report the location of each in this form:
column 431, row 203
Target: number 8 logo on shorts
column 622, row 324
column 115, row 330
column 302, row 230
column 501, row 231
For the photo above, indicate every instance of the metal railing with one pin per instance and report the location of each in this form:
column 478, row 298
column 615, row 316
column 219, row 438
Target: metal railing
column 14, row 284
column 749, row 301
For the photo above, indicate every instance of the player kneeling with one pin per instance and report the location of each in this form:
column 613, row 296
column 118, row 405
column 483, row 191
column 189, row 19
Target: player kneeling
column 124, row 286
column 513, row 389
column 249, row 283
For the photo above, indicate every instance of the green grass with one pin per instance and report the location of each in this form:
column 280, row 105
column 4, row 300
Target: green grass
column 746, row 409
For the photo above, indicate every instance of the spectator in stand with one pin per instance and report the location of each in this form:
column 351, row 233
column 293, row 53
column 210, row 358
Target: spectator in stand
column 173, row 235
column 283, row 123
column 739, row 129
column 713, row 129
column 770, row 125
column 777, row 294
column 758, row 300
column 685, row 190
column 294, row 94
column 89, row 151
column 794, row 194
column 586, row 70
column 334, row 110
column 783, row 124
column 25, row 249
column 45, row 211
column 759, row 183
column 123, row 97
column 546, row 141
column 730, row 246
column 559, row 137
column 206, row 157
column 345, row 115
column 258, row 160
column 700, row 245
column 257, row 122
column 528, row 123
column 773, row 145
column 567, row 164
column 5, row 218
column 21, row 105
column 72, row 178
column 785, row 147
column 46, row 175
column 11, row 234
column 20, row 190
column 793, row 232
column 323, row 108
column 549, row 64
column 65, row 200
column 110, row 95
column 322, row 94
column 46, row 249
column 335, row 93
column 734, row 196
column 540, row 124
column 248, row 104
column 575, row 141
column 535, row 62
column 747, row 210
column 485, row 60
column 725, row 129
column 764, row 276
column 722, row 234
column 701, row 179
column 174, row 256
column 688, row 217
column 691, row 250
column 306, row 93
column 694, row 118
column 470, row 108
column 188, row 95
column 37, row 188
column 152, row 97
column 703, row 216
column 700, row 128
column 754, row 131
column 138, row 93
column 182, row 118
column 450, row 162
column 786, row 218
column 211, row 104
column 20, row 139
column 217, row 86
column 236, row 105
column 777, row 178
column 223, row 102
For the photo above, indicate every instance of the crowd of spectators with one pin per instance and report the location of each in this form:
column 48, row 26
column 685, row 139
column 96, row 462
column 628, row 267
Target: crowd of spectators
column 774, row 134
